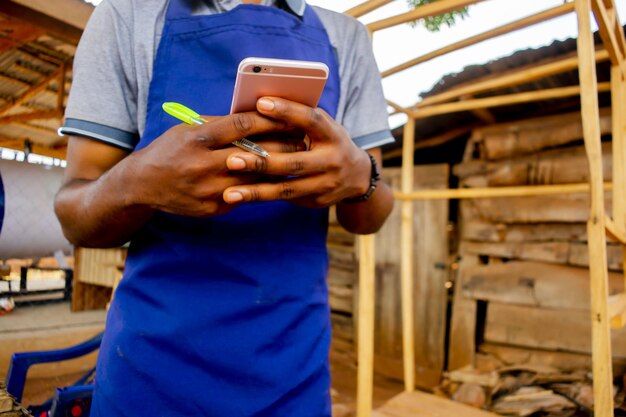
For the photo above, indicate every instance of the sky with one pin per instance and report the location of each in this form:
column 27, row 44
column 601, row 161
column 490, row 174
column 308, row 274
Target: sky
column 401, row 43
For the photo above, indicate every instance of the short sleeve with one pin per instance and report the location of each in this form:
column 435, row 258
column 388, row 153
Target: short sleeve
column 102, row 103
column 365, row 117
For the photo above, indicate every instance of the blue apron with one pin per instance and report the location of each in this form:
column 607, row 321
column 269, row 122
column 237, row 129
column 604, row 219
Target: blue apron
column 226, row 316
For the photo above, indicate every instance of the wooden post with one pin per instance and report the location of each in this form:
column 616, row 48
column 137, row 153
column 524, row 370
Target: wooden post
column 618, row 96
column 406, row 264
column 601, row 332
column 365, row 355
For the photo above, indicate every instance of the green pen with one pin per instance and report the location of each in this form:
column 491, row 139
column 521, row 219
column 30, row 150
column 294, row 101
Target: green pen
column 186, row 115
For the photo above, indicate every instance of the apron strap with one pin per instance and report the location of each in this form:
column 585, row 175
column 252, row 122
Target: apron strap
column 178, row 9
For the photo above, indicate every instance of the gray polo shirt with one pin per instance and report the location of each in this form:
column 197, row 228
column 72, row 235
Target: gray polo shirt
column 113, row 68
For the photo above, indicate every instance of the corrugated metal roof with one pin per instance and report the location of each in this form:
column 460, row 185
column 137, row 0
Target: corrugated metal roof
column 436, row 125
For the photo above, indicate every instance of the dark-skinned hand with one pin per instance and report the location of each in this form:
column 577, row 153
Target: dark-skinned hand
column 184, row 171
column 333, row 169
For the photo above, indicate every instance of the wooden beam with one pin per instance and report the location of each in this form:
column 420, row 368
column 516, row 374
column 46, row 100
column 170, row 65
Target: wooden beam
column 605, row 27
column 397, row 107
column 41, row 129
column 482, row 114
column 503, row 100
column 445, row 137
column 614, row 231
column 365, row 345
column 428, row 10
column 522, row 75
column 406, row 261
column 617, row 310
column 601, row 332
column 61, row 88
column 32, row 91
column 504, row 29
column 50, row 25
column 493, row 192
column 365, row 7
column 36, row 115
column 17, row 33
column 19, row 144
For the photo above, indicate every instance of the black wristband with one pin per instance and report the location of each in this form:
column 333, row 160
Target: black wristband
column 374, row 178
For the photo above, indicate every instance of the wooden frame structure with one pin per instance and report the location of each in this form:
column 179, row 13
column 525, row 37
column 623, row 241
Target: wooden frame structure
column 605, row 310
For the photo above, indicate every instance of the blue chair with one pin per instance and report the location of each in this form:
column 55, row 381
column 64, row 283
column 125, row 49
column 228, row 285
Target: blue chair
column 72, row 401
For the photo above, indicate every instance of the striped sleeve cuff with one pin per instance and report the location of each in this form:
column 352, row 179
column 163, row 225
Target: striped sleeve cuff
column 110, row 135
column 374, row 140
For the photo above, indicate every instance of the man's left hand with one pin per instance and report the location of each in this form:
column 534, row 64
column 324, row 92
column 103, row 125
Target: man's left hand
column 333, row 169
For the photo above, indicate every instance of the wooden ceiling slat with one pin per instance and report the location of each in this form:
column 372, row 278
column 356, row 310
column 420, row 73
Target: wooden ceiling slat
column 50, row 25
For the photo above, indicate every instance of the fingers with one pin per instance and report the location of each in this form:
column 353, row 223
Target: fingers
column 285, row 190
column 315, row 121
column 282, row 145
column 284, row 164
column 222, row 131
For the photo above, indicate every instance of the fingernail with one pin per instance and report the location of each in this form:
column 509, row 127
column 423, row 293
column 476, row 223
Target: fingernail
column 235, row 163
column 265, row 104
column 233, row 197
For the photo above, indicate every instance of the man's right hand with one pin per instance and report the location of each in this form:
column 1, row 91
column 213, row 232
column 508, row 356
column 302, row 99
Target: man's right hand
column 108, row 194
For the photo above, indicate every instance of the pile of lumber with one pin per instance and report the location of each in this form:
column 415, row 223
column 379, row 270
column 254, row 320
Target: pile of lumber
column 9, row 407
column 524, row 390
column 522, row 290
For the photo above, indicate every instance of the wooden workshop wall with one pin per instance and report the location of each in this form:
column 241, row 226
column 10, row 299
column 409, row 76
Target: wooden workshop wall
column 430, row 293
column 95, row 274
column 523, row 286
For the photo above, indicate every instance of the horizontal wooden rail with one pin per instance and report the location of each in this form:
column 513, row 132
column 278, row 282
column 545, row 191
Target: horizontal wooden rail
column 36, row 115
column 495, row 192
column 398, row 107
column 427, row 10
column 434, row 141
column 524, row 75
column 504, row 100
column 508, row 28
column 366, row 7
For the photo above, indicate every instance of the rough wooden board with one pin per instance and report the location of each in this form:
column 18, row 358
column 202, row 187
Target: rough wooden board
column 529, row 139
column 534, row 284
column 561, row 330
column 558, row 166
column 542, row 232
column 567, row 208
column 565, row 361
column 419, row 404
column 559, row 252
column 463, row 324
column 430, row 298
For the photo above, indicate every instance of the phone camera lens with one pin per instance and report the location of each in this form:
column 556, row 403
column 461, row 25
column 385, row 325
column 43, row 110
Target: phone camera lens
column 256, row 69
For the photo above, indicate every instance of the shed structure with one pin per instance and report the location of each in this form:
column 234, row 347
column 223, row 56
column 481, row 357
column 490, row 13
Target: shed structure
column 477, row 97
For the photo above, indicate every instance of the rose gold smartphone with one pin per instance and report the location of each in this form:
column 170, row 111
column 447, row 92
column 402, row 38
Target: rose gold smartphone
column 300, row 81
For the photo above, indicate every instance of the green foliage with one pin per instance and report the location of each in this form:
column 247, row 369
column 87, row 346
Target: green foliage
column 433, row 24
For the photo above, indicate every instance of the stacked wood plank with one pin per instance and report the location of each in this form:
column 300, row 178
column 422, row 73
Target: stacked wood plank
column 430, row 257
column 524, row 390
column 523, row 285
